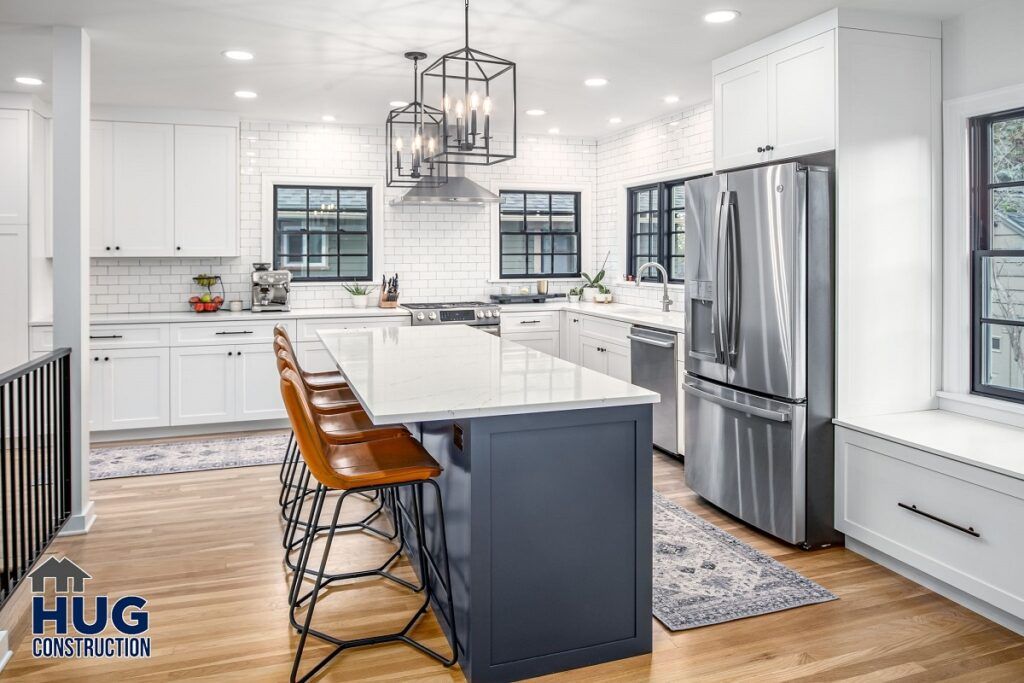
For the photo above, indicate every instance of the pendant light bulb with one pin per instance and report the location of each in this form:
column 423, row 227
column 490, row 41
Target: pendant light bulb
column 474, row 101
column 431, row 145
column 487, row 106
column 417, row 142
column 446, row 104
column 460, row 109
column 398, row 144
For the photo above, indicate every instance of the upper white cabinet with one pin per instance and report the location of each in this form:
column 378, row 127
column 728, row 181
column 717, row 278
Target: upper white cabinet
column 160, row 189
column 777, row 106
column 205, row 191
column 14, row 141
column 143, row 180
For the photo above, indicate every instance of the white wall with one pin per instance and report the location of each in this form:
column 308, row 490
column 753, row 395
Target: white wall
column 982, row 49
column 668, row 147
column 440, row 253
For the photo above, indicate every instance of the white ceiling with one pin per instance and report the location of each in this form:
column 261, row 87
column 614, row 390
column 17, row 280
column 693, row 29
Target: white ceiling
column 344, row 57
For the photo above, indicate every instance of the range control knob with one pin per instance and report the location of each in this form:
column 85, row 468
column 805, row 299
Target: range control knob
column 479, row 314
column 497, row 312
column 432, row 315
column 419, row 316
column 488, row 314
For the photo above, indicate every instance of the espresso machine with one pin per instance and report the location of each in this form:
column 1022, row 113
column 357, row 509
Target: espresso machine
column 270, row 288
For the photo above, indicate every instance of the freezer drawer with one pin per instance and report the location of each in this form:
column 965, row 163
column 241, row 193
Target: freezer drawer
column 747, row 455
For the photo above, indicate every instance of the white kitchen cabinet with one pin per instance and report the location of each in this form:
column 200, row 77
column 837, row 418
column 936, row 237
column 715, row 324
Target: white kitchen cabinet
column 101, row 188
column 569, row 332
column 741, row 114
column 618, row 362
column 143, row 207
column 778, row 106
column 313, row 357
column 205, row 191
column 257, row 384
column 544, row 341
column 605, row 357
column 14, row 144
column 129, row 389
column 203, row 386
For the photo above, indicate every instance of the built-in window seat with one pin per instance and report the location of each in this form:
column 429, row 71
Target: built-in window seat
column 938, row 497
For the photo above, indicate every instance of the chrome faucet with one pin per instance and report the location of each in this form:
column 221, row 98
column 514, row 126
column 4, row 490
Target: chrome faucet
column 666, row 303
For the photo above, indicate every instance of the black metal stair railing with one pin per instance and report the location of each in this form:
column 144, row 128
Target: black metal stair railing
column 35, row 462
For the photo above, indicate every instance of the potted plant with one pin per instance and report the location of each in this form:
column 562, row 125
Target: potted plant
column 595, row 281
column 360, row 294
column 575, row 294
column 604, row 295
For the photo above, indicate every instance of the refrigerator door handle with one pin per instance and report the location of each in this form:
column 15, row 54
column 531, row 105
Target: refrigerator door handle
column 772, row 415
column 732, row 308
column 716, row 315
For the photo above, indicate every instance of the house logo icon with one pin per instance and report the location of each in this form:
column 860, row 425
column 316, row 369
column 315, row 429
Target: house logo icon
column 64, row 572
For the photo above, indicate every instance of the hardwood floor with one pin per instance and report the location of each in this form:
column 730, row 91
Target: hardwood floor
column 204, row 549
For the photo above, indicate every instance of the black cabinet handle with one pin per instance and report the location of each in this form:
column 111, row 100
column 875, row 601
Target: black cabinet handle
column 106, row 336
column 237, row 332
column 969, row 530
column 528, row 322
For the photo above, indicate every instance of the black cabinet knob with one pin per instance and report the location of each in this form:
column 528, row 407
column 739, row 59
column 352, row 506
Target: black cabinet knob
column 96, row 358
column 238, row 353
column 108, row 248
column 229, row 353
column 106, row 358
column 117, row 248
column 178, row 248
column 760, row 150
column 768, row 148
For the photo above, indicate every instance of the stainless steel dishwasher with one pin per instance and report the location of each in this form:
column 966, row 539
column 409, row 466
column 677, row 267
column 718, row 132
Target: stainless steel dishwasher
column 653, row 361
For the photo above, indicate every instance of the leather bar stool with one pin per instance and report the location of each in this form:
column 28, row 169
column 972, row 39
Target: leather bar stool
column 377, row 465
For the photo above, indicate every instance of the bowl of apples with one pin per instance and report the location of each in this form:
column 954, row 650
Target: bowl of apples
column 207, row 302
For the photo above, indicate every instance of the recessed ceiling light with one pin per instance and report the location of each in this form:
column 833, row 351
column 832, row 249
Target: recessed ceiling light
column 237, row 55
column 615, row 119
column 28, row 80
column 595, row 82
column 553, row 131
column 721, row 16
column 327, row 118
column 397, row 103
column 245, row 94
column 535, row 112
column 671, row 99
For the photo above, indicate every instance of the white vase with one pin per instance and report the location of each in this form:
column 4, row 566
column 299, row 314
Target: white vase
column 588, row 293
column 574, row 298
column 360, row 300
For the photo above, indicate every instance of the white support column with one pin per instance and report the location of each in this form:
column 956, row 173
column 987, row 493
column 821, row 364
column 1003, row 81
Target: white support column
column 71, row 103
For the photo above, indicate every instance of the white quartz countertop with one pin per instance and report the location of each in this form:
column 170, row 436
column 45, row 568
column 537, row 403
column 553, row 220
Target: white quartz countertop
column 225, row 315
column 673, row 321
column 418, row 374
column 971, row 440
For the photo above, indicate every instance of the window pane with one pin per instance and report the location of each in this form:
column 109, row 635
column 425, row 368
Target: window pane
column 1004, row 287
column 565, row 223
column 642, row 200
column 642, row 223
column 565, row 244
column 352, row 244
column 291, row 243
column 1008, row 218
column 642, row 245
column 323, row 266
column 512, row 223
column 563, row 203
column 536, row 244
column 512, row 201
column 291, row 221
column 1003, row 356
column 297, row 266
column 1008, row 150
column 352, row 200
column 513, row 265
column 320, row 221
column 538, row 203
column 539, row 265
column 677, row 271
column 678, row 243
column 291, row 198
column 565, row 264
column 538, row 223
column 678, row 221
column 323, row 199
column 654, row 198
column 353, row 266
column 513, row 244
column 677, row 196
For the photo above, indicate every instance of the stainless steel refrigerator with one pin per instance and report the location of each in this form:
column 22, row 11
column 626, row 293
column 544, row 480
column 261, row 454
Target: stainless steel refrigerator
column 759, row 359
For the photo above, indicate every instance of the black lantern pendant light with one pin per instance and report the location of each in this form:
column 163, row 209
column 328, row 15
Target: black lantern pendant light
column 477, row 93
column 413, row 137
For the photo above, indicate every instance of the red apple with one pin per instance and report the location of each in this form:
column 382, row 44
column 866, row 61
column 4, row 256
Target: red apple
column 198, row 307
column 194, row 300
column 209, row 306
column 218, row 300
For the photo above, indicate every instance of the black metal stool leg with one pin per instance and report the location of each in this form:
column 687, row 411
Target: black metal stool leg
column 287, row 455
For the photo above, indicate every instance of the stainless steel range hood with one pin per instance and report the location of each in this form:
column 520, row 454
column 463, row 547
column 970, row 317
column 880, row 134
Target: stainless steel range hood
column 458, row 190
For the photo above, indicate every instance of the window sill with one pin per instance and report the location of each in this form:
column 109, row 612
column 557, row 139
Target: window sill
column 531, row 278
column 992, row 409
column 672, row 286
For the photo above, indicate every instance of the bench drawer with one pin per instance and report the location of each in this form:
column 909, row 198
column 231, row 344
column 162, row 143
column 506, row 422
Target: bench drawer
column 128, row 336
column 228, row 332
column 611, row 330
column 536, row 321
column 958, row 531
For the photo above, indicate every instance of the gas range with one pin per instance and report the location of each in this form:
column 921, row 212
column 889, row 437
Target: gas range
column 475, row 313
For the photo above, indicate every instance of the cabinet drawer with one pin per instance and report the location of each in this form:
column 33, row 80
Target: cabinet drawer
column 535, row 321
column 539, row 340
column 307, row 327
column 127, row 336
column 878, row 481
column 228, row 332
column 610, row 330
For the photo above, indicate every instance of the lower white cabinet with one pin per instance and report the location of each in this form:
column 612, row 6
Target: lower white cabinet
column 202, row 384
column 603, row 356
column 129, row 389
column 313, row 357
column 569, row 332
column 257, row 384
column 546, row 342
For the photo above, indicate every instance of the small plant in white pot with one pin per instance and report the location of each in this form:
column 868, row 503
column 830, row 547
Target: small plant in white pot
column 604, row 295
column 595, row 282
column 360, row 294
column 575, row 294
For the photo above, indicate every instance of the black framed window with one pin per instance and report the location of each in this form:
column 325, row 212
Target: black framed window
column 539, row 233
column 323, row 233
column 657, row 228
column 997, row 211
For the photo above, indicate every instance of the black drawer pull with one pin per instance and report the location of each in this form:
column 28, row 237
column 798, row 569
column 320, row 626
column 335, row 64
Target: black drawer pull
column 969, row 530
column 238, row 332
column 106, row 336
column 528, row 322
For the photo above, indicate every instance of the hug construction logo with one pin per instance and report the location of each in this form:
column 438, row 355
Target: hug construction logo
column 76, row 633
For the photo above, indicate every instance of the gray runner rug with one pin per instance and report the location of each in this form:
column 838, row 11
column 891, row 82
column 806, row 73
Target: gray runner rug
column 111, row 462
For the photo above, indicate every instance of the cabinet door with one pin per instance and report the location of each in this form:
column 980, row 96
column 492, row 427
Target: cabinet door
column 802, row 97
column 136, row 392
column 569, row 344
column 202, row 384
column 741, row 114
column 313, row 357
column 143, row 189
column 98, row 380
column 13, row 280
column 101, row 188
column 205, row 191
column 617, row 360
column 13, row 167
column 592, row 355
column 258, row 384
column 545, row 342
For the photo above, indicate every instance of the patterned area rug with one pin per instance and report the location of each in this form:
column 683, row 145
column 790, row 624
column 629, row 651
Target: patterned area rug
column 111, row 462
column 703, row 575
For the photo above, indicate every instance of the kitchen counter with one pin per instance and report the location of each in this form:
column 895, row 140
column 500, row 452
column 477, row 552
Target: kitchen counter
column 547, row 488
column 414, row 374
column 673, row 321
column 226, row 315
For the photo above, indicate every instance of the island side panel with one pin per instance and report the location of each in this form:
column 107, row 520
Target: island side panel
column 561, row 540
